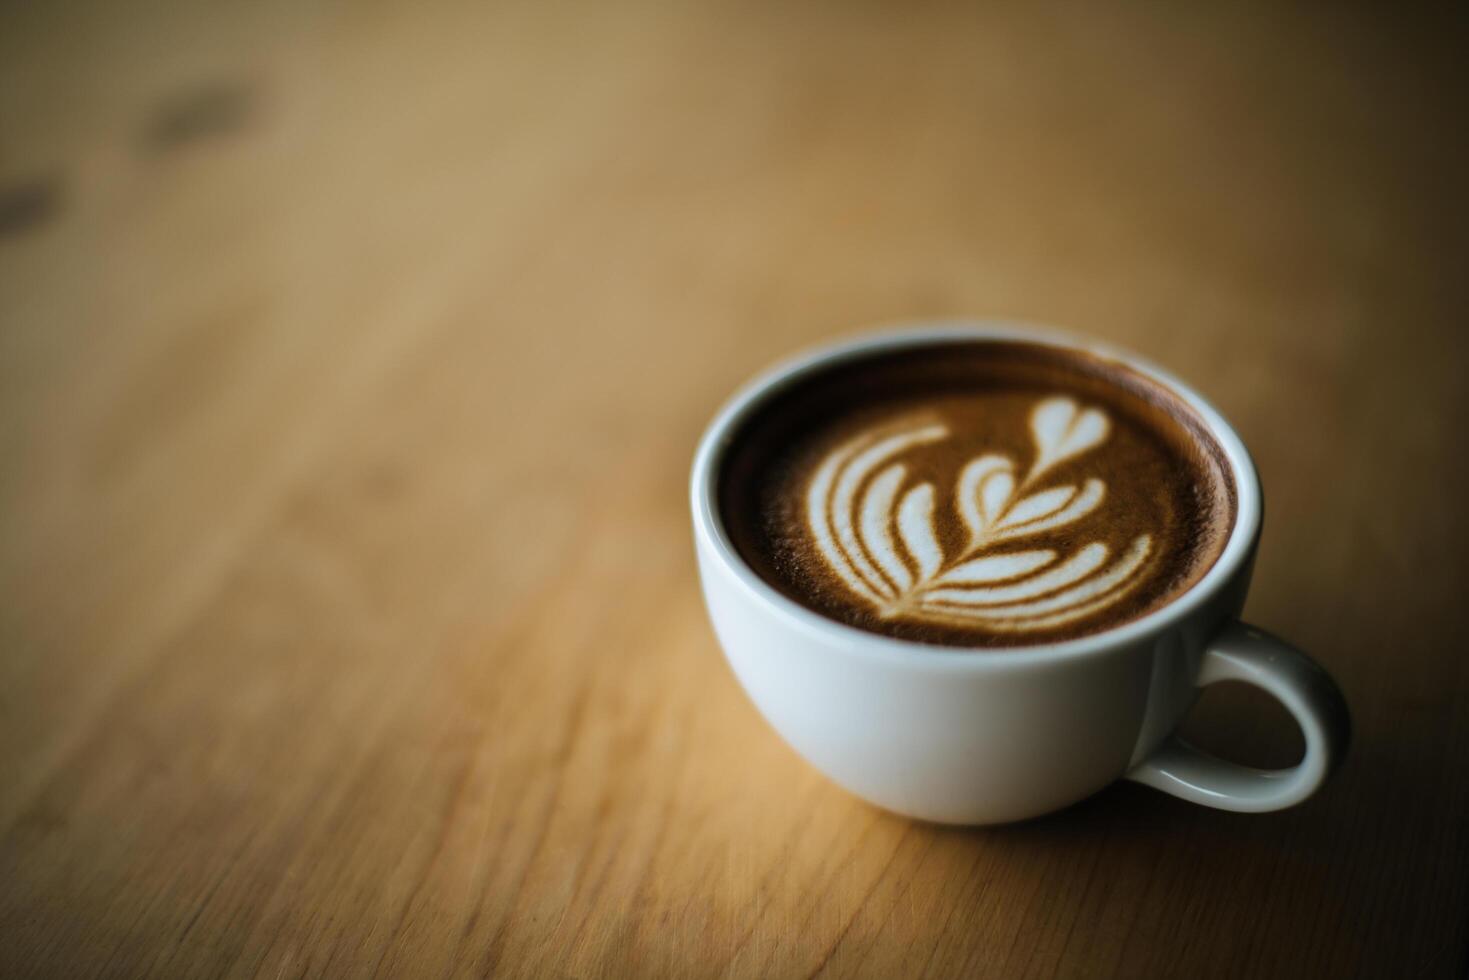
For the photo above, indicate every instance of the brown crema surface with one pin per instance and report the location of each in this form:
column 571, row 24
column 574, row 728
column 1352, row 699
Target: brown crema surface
column 1165, row 478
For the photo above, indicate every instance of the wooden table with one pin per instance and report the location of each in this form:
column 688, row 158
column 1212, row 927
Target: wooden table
column 351, row 361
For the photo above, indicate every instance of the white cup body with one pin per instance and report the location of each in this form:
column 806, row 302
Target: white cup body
column 946, row 734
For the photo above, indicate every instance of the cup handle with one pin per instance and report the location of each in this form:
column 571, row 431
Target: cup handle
column 1244, row 653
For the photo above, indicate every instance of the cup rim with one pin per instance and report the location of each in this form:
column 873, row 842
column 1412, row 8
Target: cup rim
column 712, row 537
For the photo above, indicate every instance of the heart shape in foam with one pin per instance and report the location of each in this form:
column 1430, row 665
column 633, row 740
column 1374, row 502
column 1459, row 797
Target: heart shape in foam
column 1062, row 430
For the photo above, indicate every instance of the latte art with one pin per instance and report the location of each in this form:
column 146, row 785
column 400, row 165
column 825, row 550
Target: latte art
column 882, row 542
column 977, row 494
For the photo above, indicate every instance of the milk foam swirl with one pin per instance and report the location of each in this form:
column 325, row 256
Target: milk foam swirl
column 880, row 539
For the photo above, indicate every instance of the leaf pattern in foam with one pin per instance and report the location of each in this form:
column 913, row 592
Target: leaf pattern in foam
column 883, row 544
column 1078, row 505
column 985, row 487
column 997, row 568
column 915, row 527
column 877, row 506
column 1038, row 505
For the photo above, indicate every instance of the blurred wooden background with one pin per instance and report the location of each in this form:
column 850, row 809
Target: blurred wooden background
column 351, row 361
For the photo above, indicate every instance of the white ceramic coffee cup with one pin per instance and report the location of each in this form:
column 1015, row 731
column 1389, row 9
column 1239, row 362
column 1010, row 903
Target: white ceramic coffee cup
column 963, row 737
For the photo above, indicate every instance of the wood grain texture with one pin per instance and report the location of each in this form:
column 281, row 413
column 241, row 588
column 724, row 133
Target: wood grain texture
column 351, row 361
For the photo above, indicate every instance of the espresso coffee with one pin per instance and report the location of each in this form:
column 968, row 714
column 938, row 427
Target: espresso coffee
column 977, row 493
